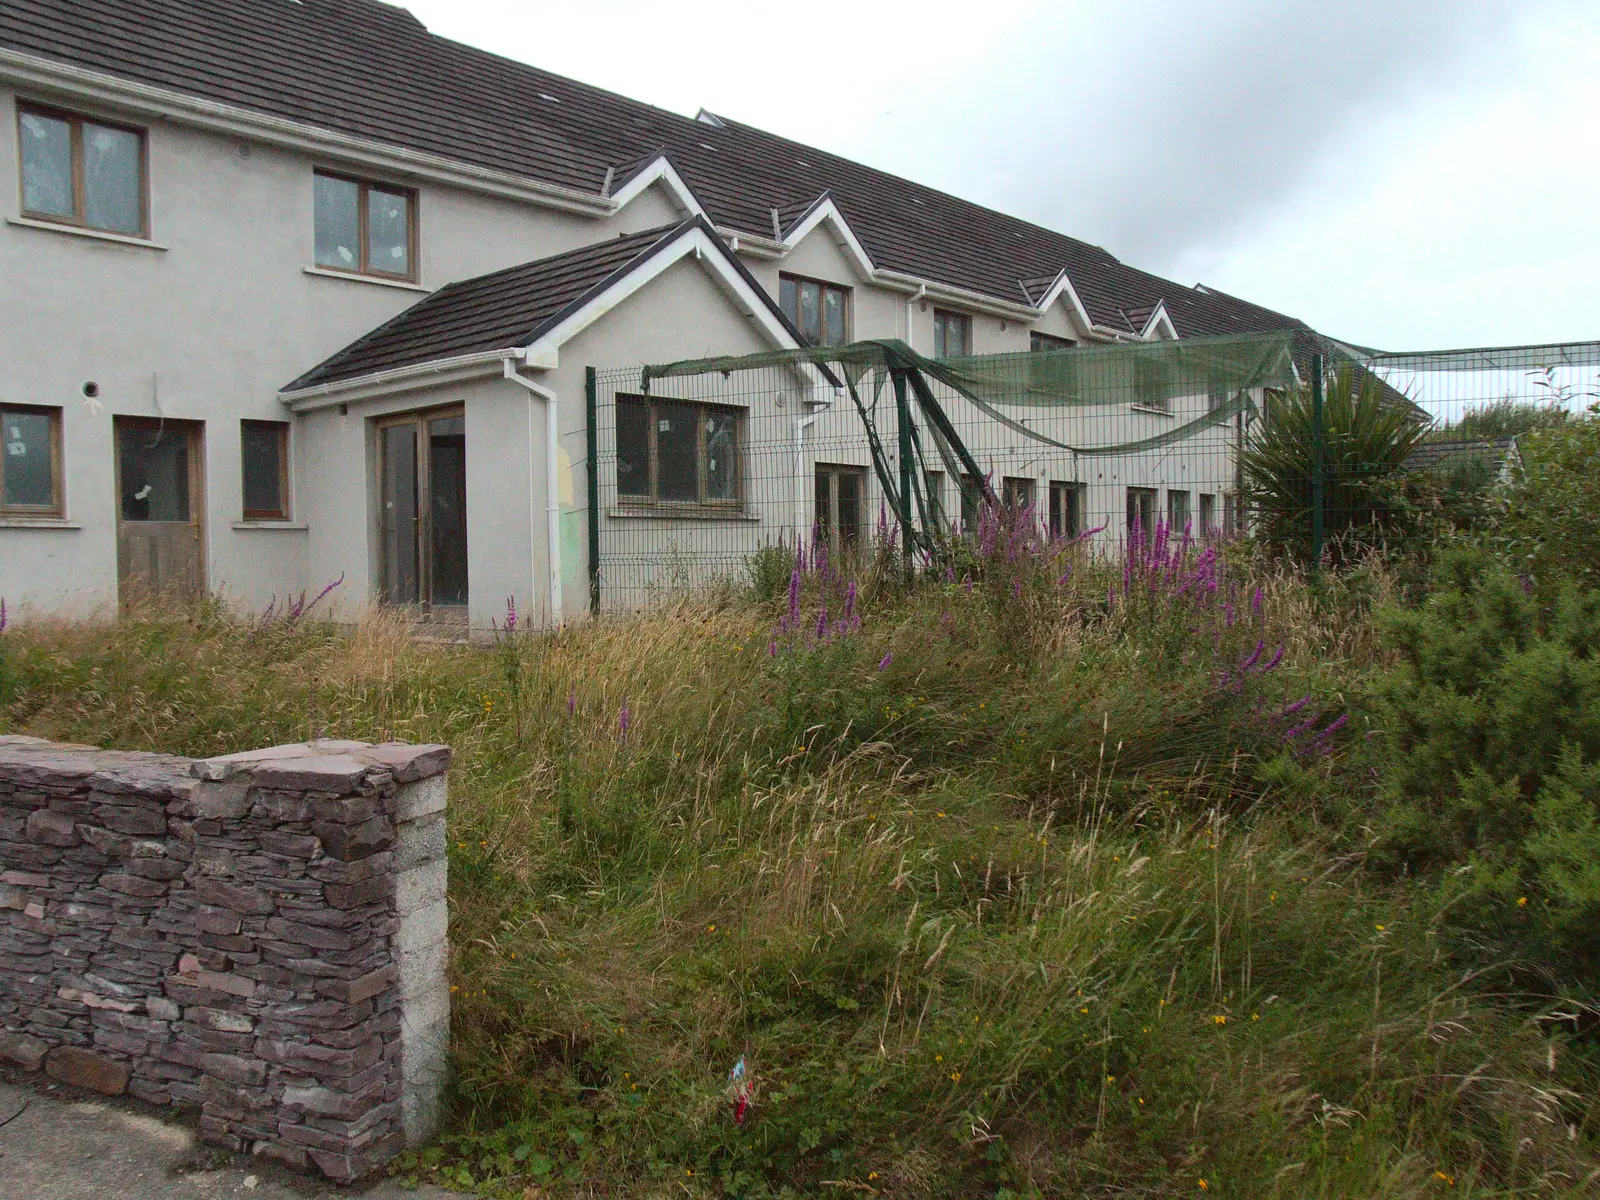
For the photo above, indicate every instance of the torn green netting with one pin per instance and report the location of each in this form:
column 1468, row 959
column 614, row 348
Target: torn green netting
column 1151, row 374
column 1226, row 370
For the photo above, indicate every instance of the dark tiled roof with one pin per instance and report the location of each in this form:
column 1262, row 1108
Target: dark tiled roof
column 500, row 311
column 370, row 70
column 1448, row 452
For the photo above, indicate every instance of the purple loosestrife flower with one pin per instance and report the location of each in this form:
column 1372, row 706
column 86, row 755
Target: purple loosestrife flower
column 1272, row 663
column 772, row 648
column 822, row 623
column 794, row 595
column 1338, row 723
column 884, row 662
column 511, row 614
column 1289, row 709
column 1256, row 603
column 949, row 572
column 1016, row 589
column 1227, row 610
column 1252, row 658
column 966, row 582
column 572, row 703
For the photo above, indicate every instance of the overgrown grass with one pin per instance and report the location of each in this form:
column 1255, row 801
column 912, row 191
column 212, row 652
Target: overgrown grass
column 1030, row 883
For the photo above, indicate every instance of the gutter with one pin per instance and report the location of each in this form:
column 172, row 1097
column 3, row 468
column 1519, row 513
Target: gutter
column 396, row 379
column 552, row 485
column 37, row 72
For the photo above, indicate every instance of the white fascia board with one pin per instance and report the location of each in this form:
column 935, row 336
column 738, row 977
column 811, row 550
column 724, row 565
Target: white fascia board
column 660, row 171
column 1159, row 327
column 31, row 71
column 1063, row 290
column 975, row 301
column 828, row 211
column 545, row 354
column 400, row 379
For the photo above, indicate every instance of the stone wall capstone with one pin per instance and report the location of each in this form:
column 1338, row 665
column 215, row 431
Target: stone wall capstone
column 260, row 936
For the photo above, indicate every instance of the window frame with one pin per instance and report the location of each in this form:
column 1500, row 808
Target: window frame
column 1018, row 488
column 1066, row 516
column 824, row 287
column 75, row 121
column 1039, row 343
column 946, row 315
column 733, row 504
column 1174, row 503
column 364, row 185
column 1135, row 497
column 281, row 513
column 57, row 506
column 840, row 539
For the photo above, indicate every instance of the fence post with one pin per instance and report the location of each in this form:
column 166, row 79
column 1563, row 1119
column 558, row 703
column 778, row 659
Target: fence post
column 903, row 421
column 1318, row 480
column 593, row 481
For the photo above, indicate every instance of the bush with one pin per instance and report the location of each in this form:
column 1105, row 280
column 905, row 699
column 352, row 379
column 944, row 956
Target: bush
column 1551, row 527
column 1367, row 434
column 1494, row 721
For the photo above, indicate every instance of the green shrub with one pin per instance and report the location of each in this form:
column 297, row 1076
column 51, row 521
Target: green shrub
column 1551, row 527
column 1494, row 723
column 1366, row 434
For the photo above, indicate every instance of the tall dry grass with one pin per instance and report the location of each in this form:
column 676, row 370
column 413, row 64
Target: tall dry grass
column 1020, row 887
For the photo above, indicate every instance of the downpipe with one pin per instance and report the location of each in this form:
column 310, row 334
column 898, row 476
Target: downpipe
column 552, row 487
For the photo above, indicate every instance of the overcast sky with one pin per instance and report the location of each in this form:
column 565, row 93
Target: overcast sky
column 1407, row 174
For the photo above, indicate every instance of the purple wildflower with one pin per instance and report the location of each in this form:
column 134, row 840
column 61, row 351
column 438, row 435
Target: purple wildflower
column 2, row 614
column 885, row 660
column 1256, row 603
column 794, row 595
column 822, row 623
column 572, row 703
column 772, row 648
column 1296, row 706
column 511, row 614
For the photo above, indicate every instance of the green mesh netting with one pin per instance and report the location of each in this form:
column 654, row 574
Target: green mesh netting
column 1004, row 386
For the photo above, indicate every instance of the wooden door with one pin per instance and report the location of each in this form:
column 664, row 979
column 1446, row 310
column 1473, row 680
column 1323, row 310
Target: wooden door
column 160, row 509
column 422, row 499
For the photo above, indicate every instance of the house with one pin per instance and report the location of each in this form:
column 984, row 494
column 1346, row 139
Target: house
column 294, row 291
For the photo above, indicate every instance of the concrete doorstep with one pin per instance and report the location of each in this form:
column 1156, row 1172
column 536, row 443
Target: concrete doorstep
column 57, row 1143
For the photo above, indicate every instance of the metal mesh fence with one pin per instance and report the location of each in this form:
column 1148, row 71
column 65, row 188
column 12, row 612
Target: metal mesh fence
column 699, row 468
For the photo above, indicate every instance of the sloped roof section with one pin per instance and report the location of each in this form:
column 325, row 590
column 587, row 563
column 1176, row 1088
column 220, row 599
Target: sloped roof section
column 367, row 69
column 500, row 311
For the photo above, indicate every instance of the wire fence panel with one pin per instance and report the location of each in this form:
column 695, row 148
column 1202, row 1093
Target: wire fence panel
column 703, row 466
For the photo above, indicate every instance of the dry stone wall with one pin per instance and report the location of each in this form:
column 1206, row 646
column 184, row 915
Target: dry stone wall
column 260, row 936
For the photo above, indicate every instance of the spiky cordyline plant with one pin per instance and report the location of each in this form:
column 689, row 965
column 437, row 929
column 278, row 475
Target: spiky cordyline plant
column 1367, row 433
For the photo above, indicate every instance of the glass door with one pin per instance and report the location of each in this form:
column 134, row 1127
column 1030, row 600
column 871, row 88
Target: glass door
column 422, row 495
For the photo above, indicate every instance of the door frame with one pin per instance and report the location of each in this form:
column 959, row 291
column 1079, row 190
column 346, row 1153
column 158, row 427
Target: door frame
column 196, row 431
column 418, row 419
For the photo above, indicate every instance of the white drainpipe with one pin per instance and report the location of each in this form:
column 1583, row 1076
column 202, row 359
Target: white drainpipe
column 911, row 308
column 800, row 427
column 552, row 487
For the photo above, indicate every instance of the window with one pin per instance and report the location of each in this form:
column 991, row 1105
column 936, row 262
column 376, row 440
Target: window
column 365, row 228
column 818, row 310
column 933, row 489
column 1142, row 511
column 1048, row 341
column 1208, row 515
column 1016, row 493
column 30, row 462
column 675, row 452
column 1066, row 509
column 952, row 334
column 971, row 502
column 840, row 493
column 1231, row 522
column 265, row 459
column 1177, row 510
column 81, row 172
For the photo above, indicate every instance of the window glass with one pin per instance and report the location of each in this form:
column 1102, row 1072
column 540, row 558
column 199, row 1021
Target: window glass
column 27, row 451
column 789, row 299
column 447, row 510
column 1208, row 514
column 850, row 507
column 113, row 161
column 388, row 232
column 155, row 474
column 263, row 468
column 1017, row 493
column 1142, row 510
column 1177, row 510
column 952, row 334
column 677, row 452
column 338, row 222
column 46, row 165
column 633, row 448
column 832, row 317
column 811, row 310
column 722, row 456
